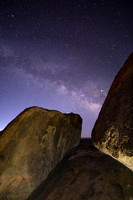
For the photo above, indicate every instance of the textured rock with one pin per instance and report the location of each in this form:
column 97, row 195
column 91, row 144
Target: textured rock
column 86, row 174
column 31, row 146
column 113, row 130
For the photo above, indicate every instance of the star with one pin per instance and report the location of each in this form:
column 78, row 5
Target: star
column 63, row 55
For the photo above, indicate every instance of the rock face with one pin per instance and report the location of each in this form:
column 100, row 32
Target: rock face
column 113, row 130
column 31, row 146
column 86, row 174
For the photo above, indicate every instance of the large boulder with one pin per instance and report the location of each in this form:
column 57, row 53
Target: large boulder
column 86, row 174
column 113, row 130
column 31, row 146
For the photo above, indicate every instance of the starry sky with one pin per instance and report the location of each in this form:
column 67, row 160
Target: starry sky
column 61, row 54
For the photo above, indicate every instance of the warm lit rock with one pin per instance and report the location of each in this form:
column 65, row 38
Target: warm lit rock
column 31, row 146
column 86, row 174
column 113, row 130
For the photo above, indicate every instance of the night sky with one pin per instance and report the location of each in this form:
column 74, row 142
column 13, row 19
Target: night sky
column 61, row 55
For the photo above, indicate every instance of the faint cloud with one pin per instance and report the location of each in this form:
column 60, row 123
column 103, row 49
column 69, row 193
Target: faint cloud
column 82, row 100
column 86, row 94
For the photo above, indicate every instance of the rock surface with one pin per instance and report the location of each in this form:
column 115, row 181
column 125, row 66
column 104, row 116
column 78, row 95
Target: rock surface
column 86, row 174
column 31, row 146
column 113, row 130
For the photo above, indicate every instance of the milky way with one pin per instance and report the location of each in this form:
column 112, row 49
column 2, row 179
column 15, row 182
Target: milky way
column 61, row 55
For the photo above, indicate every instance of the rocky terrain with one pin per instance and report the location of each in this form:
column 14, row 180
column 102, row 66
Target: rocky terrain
column 86, row 174
column 31, row 146
column 43, row 158
column 113, row 130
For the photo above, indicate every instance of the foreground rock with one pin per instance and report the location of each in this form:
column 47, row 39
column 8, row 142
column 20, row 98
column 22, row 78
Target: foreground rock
column 31, row 146
column 87, row 174
column 113, row 130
